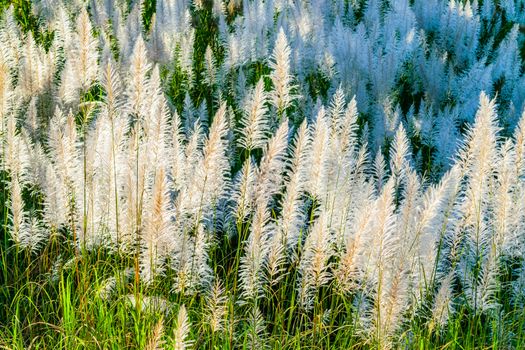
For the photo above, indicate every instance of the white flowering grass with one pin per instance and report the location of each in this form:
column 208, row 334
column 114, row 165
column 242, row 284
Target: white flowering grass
column 262, row 174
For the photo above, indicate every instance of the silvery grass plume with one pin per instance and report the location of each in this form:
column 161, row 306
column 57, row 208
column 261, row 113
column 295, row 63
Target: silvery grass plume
column 178, row 158
column 10, row 36
column 269, row 173
column 293, row 212
column 107, row 288
column 409, row 197
column 431, row 228
column 276, row 258
column 107, row 141
column 18, row 214
column 347, row 273
column 519, row 140
column 314, row 267
column 6, row 90
column 244, row 190
column 84, row 57
column 81, row 58
column 345, row 167
column 182, row 330
column 63, row 189
column 15, row 149
column 139, row 67
column 399, row 156
column 156, row 238
column 255, row 333
column 114, row 124
column 189, row 259
column 216, row 309
column 507, row 201
column 155, row 341
column 478, row 157
column 318, row 158
column 253, row 261
column 255, row 124
column 282, row 95
column 36, row 70
column 34, row 234
column 443, row 306
column 209, row 177
column 385, row 272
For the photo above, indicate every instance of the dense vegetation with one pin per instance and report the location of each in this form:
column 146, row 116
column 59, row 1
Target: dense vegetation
column 323, row 174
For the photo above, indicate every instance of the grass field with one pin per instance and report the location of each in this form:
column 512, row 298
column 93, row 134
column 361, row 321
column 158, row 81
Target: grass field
column 242, row 174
